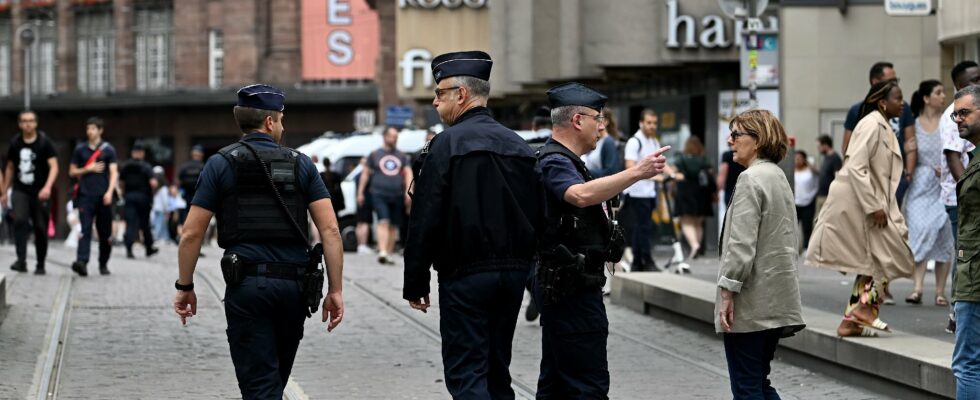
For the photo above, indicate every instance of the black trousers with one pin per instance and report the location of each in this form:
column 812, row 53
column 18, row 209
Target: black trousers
column 137, row 213
column 749, row 356
column 804, row 216
column 91, row 210
column 265, row 325
column 478, row 314
column 30, row 214
column 573, row 346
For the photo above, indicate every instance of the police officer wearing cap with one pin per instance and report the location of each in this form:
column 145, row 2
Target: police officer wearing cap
column 477, row 209
column 136, row 176
column 260, row 192
column 581, row 237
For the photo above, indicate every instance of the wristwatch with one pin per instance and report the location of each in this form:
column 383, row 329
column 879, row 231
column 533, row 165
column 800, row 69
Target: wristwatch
column 184, row 288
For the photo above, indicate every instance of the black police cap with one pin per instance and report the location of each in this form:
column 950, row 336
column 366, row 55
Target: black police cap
column 470, row 63
column 576, row 94
column 261, row 96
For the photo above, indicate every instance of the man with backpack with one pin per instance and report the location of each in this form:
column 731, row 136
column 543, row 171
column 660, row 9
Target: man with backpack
column 94, row 165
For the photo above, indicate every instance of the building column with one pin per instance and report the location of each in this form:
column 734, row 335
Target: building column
column 66, row 69
column 385, row 76
column 124, row 79
column 17, row 18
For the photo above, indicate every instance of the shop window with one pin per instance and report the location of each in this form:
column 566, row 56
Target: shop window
column 43, row 50
column 5, row 48
column 96, row 44
column 154, row 46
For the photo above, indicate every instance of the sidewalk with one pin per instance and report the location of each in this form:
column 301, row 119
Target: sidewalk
column 917, row 354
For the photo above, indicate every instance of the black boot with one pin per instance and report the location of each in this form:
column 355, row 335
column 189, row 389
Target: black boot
column 40, row 269
column 19, row 266
column 79, row 268
column 103, row 269
column 151, row 251
column 129, row 252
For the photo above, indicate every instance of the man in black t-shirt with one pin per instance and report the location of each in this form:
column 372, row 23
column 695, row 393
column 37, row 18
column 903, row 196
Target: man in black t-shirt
column 136, row 176
column 828, row 170
column 187, row 178
column 728, row 171
column 31, row 169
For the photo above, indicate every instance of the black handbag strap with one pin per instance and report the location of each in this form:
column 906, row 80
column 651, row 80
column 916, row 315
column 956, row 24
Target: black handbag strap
column 275, row 190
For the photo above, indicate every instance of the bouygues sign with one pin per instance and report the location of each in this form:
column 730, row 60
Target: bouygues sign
column 339, row 39
column 428, row 28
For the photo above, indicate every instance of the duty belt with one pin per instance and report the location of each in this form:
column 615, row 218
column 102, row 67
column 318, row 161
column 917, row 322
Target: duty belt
column 290, row 271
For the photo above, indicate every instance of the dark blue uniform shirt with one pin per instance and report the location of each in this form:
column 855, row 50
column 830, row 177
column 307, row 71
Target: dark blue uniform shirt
column 218, row 180
column 559, row 174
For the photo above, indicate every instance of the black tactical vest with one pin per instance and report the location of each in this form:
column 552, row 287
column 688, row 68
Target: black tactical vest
column 251, row 213
column 584, row 230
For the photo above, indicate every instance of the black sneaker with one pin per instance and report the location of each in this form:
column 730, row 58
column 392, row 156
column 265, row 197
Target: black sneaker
column 39, row 270
column 79, row 268
column 104, row 269
column 19, row 266
column 951, row 325
column 151, row 251
column 129, row 253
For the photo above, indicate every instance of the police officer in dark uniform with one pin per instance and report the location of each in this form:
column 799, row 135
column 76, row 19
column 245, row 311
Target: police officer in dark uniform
column 477, row 207
column 260, row 192
column 581, row 237
column 136, row 175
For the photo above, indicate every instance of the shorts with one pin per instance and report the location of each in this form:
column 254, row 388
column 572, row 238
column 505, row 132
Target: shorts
column 389, row 208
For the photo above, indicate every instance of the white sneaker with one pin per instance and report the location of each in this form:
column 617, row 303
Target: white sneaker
column 678, row 253
column 364, row 249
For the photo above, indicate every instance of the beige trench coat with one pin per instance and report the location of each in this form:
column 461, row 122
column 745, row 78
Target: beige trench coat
column 843, row 239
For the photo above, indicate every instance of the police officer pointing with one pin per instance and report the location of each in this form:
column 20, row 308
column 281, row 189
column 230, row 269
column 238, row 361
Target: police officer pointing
column 477, row 208
column 261, row 192
column 581, row 237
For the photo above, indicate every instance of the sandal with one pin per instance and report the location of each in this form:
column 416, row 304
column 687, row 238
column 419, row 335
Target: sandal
column 941, row 301
column 916, row 298
column 851, row 328
column 864, row 315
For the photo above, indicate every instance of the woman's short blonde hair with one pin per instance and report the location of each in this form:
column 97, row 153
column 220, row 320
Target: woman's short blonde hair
column 767, row 130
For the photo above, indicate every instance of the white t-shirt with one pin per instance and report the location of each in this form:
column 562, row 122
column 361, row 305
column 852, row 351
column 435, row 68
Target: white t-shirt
column 950, row 135
column 637, row 147
column 806, row 185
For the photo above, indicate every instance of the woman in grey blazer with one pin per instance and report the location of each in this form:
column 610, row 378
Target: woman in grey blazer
column 758, row 299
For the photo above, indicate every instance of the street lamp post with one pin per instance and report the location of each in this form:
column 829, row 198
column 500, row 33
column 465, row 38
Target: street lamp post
column 26, row 34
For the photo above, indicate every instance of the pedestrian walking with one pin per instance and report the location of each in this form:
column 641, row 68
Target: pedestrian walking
column 930, row 234
column 136, row 177
column 605, row 160
column 828, row 169
column 261, row 193
column 477, row 212
column 805, row 190
column 581, row 238
column 641, row 197
column 955, row 160
column 861, row 230
column 758, row 300
column 160, row 210
column 332, row 181
column 966, row 287
column 387, row 174
column 728, row 172
column 695, row 195
column 187, row 178
column 94, row 165
column 903, row 125
column 30, row 171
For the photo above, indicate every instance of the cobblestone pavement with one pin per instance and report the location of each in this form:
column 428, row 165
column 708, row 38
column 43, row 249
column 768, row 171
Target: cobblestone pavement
column 123, row 341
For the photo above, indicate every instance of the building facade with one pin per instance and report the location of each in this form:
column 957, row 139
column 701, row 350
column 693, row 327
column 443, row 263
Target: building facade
column 165, row 72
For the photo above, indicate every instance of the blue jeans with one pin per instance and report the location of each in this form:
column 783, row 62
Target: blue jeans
column 749, row 355
column 159, row 223
column 966, row 351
